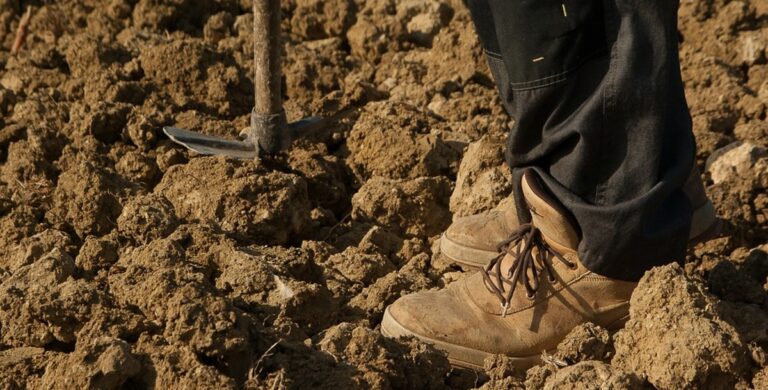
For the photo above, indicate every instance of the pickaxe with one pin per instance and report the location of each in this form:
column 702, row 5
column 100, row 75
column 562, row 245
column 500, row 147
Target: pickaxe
column 269, row 131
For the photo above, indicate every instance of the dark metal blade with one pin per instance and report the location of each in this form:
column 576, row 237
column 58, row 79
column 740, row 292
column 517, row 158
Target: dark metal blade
column 211, row 145
column 305, row 125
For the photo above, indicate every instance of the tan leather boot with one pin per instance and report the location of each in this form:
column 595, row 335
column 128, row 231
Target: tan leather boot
column 471, row 242
column 524, row 302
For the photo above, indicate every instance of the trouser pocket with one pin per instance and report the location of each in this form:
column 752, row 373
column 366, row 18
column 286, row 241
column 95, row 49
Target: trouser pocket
column 541, row 41
column 500, row 76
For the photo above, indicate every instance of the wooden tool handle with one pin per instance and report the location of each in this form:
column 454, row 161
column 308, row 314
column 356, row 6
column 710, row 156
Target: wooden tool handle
column 269, row 130
column 266, row 57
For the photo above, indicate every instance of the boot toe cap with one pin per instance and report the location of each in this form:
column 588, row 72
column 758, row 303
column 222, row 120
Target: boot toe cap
column 417, row 315
column 429, row 317
column 441, row 318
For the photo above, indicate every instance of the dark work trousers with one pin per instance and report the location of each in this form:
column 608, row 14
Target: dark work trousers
column 600, row 115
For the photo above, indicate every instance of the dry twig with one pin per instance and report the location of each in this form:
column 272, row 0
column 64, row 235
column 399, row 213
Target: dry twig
column 552, row 360
column 278, row 382
column 21, row 32
column 254, row 371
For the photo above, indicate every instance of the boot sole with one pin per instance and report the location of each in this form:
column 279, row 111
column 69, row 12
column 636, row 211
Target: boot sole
column 704, row 226
column 468, row 358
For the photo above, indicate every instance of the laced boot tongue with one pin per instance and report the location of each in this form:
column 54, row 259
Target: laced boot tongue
column 548, row 215
column 523, row 259
column 532, row 249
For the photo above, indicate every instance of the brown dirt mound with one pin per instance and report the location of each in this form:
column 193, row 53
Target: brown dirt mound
column 261, row 207
column 681, row 343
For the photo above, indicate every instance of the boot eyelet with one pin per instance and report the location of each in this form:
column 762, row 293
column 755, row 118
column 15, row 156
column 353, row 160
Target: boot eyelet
column 552, row 280
column 574, row 266
column 531, row 296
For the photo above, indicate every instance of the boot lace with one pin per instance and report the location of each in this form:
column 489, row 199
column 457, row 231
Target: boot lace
column 520, row 244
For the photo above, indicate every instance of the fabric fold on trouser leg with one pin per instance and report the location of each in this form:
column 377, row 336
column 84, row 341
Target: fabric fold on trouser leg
column 600, row 115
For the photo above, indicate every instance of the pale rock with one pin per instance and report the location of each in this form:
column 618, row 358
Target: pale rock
column 752, row 47
column 739, row 160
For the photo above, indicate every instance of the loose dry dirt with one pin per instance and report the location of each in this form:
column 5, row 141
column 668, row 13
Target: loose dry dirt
column 127, row 262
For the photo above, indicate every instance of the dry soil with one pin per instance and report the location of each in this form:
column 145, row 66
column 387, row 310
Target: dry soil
column 126, row 262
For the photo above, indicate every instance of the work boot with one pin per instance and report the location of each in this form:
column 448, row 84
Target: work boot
column 524, row 302
column 471, row 242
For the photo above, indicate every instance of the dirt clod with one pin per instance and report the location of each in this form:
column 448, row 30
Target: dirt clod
column 104, row 363
column 729, row 283
column 501, row 373
column 41, row 304
column 483, row 180
column 417, row 207
column 86, row 199
column 97, row 253
column 585, row 342
column 410, row 365
column 384, row 291
column 741, row 159
column 21, row 367
column 239, row 199
column 139, row 168
column 172, row 290
column 675, row 337
column 396, row 141
column 147, row 218
column 587, row 374
column 167, row 365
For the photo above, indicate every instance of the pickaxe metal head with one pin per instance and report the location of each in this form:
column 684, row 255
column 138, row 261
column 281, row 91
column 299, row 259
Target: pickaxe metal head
column 264, row 142
column 269, row 131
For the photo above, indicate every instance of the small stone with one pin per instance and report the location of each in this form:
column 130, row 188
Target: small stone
column 752, row 47
column 739, row 160
column 423, row 28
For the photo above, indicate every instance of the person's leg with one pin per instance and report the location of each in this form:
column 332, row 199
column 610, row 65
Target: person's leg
column 596, row 92
column 600, row 152
column 471, row 241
